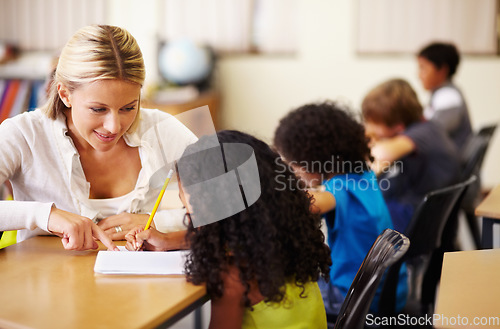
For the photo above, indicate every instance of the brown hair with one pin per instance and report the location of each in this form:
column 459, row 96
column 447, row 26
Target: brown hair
column 392, row 102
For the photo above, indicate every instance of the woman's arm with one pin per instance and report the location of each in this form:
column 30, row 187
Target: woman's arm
column 77, row 232
column 16, row 152
column 125, row 221
column 166, row 220
column 26, row 160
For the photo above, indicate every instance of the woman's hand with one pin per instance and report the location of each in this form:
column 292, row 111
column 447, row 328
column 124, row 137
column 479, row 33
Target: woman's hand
column 77, row 232
column 154, row 240
column 117, row 226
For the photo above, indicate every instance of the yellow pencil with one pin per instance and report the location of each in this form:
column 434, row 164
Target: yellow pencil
column 160, row 196
column 148, row 224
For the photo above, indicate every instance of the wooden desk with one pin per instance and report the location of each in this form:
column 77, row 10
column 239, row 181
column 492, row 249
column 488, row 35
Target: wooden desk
column 489, row 210
column 469, row 288
column 44, row 286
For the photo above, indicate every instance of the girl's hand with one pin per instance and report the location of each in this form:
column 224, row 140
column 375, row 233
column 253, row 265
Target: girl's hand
column 77, row 232
column 154, row 240
column 151, row 239
column 117, row 226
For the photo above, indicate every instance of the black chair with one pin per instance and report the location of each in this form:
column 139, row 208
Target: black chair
column 425, row 232
column 488, row 131
column 387, row 249
column 472, row 159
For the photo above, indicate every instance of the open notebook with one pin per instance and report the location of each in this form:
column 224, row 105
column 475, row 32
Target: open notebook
column 140, row 262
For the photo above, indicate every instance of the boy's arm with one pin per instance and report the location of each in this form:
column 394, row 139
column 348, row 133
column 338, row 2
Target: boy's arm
column 449, row 108
column 389, row 150
column 448, row 118
column 322, row 202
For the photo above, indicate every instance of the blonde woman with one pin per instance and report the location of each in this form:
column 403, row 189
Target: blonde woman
column 81, row 166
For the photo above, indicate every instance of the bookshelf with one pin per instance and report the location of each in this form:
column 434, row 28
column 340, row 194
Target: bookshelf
column 19, row 95
column 22, row 82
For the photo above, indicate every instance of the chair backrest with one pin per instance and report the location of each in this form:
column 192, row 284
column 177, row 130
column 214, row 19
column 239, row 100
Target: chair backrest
column 428, row 221
column 488, row 131
column 387, row 249
column 474, row 152
column 473, row 155
column 425, row 232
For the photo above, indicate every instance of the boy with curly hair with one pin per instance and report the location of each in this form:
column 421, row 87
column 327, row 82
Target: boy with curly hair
column 325, row 145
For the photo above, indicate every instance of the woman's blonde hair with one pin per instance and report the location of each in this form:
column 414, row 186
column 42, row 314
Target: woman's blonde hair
column 96, row 52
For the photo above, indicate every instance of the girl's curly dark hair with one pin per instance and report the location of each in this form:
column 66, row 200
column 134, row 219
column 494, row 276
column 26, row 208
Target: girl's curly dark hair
column 274, row 240
column 323, row 138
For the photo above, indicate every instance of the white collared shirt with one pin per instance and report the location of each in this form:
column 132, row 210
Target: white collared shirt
column 42, row 163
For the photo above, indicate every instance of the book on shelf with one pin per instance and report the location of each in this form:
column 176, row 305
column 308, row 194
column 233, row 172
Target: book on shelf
column 18, row 96
column 34, row 98
column 9, row 99
column 3, row 87
column 21, row 103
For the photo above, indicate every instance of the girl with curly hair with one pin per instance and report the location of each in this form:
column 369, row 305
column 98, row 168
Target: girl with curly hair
column 260, row 265
column 328, row 150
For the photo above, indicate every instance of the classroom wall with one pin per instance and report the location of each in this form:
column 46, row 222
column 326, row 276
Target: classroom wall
column 258, row 90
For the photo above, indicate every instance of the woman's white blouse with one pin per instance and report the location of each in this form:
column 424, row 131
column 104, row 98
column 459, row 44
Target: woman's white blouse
column 40, row 160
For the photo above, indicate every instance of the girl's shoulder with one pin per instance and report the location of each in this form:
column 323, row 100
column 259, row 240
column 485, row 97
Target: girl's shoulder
column 232, row 282
column 234, row 288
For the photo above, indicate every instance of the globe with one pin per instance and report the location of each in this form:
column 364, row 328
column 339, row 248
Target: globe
column 183, row 62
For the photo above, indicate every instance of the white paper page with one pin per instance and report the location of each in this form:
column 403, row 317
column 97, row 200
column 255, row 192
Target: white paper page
column 140, row 262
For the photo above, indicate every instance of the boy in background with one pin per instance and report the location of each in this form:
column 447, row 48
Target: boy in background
column 437, row 64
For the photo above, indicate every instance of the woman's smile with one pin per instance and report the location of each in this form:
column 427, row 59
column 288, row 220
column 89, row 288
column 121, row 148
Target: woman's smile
column 105, row 137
